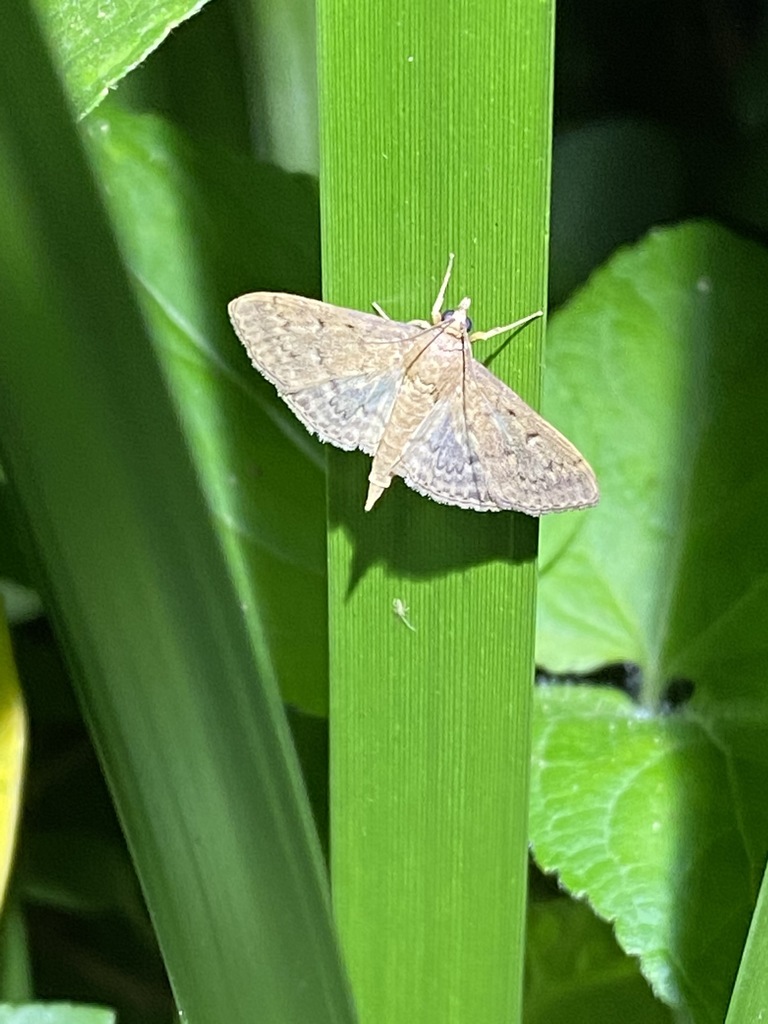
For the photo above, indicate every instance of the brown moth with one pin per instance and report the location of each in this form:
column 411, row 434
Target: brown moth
column 413, row 396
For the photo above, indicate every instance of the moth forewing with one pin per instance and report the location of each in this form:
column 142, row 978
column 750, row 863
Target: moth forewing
column 297, row 342
column 330, row 368
column 413, row 396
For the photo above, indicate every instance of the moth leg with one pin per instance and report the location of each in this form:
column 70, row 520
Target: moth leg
column 485, row 335
column 380, row 311
column 437, row 308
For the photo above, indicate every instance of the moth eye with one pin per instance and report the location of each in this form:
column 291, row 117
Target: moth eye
column 449, row 314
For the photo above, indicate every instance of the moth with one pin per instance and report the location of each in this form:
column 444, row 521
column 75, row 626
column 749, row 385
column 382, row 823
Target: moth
column 413, row 396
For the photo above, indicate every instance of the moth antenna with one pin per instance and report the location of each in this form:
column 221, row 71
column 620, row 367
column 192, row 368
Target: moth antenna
column 438, row 304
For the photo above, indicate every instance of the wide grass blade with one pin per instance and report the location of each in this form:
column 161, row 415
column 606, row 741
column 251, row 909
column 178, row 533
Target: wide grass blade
column 435, row 137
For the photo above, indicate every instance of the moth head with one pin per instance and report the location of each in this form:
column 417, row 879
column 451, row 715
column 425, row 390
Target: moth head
column 459, row 315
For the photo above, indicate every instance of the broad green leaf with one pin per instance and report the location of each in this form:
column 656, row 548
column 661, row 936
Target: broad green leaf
column 55, row 1013
column 97, row 42
column 199, row 226
column 749, row 1000
column 631, row 812
column 658, row 369
column 577, row 974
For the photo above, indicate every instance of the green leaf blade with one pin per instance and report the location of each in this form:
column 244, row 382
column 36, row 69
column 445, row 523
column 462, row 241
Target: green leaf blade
column 445, row 149
column 98, row 43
